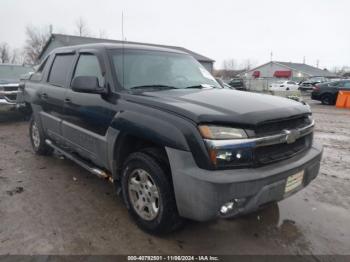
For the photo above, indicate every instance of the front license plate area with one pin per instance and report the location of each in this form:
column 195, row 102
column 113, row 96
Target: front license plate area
column 294, row 182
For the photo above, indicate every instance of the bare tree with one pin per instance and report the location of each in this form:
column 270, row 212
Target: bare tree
column 4, row 53
column 18, row 56
column 81, row 27
column 229, row 64
column 36, row 39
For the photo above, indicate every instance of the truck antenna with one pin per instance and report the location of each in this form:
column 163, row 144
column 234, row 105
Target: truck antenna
column 123, row 45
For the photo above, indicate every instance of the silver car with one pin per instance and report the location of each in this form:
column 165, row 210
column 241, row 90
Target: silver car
column 9, row 83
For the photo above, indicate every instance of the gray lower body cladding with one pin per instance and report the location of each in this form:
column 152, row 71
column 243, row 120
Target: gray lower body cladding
column 200, row 193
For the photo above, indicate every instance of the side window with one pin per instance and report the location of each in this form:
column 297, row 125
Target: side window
column 60, row 69
column 38, row 74
column 88, row 65
column 346, row 85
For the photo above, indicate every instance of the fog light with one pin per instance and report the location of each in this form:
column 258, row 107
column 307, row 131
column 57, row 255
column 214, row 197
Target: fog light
column 226, row 207
column 234, row 204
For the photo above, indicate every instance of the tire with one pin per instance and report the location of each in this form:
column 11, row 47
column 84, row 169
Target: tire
column 327, row 99
column 148, row 194
column 37, row 138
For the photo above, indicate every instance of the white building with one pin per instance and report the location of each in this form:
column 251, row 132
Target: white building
column 286, row 70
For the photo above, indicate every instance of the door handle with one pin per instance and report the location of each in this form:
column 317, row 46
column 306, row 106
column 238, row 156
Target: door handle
column 67, row 101
column 44, row 96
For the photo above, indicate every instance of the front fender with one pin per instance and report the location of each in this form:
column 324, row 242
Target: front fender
column 160, row 128
column 151, row 128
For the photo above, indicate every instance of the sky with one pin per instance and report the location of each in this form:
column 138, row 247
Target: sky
column 318, row 30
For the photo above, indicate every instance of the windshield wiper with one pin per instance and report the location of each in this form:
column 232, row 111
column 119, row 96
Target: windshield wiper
column 153, row 86
column 200, row 86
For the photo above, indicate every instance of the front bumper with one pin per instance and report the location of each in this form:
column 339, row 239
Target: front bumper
column 5, row 102
column 200, row 193
column 6, row 105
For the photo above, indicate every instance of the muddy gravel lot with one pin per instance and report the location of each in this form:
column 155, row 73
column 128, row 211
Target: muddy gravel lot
column 49, row 205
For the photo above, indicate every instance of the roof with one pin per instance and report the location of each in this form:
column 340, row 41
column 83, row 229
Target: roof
column 69, row 40
column 307, row 69
column 303, row 68
column 98, row 46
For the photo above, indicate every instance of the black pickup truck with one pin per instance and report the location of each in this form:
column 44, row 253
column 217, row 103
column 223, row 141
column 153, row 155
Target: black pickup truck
column 175, row 144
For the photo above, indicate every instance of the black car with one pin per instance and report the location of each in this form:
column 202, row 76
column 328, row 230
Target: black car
column 174, row 143
column 237, row 83
column 311, row 82
column 327, row 92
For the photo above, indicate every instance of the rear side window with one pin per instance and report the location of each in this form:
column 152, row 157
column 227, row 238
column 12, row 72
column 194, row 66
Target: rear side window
column 347, row 84
column 60, row 69
column 88, row 65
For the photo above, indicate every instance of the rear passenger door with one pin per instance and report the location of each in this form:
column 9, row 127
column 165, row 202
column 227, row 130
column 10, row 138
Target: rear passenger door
column 87, row 117
column 53, row 93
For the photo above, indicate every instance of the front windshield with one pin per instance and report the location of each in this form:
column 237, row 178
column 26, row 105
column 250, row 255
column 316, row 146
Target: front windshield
column 149, row 69
column 13, row 72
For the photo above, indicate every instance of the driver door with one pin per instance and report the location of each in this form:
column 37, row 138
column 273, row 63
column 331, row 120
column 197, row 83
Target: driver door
column 87, row 117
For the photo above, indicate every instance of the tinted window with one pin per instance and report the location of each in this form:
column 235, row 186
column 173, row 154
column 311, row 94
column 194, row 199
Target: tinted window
column 346, row 84
column 60, row 69
column 88, row 65
column 334, row 84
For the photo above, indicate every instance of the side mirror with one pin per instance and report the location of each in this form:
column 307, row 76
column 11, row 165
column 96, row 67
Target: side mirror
column 87, row 84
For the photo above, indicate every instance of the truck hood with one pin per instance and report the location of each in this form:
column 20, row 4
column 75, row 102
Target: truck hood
column 223, row 106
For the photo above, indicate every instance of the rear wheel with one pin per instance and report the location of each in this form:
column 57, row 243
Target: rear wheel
column 148, row 194
column 327, row 99
column 37, row 138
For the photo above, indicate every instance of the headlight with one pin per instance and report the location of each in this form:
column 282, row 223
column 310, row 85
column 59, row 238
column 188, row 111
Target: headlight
column 222, row 153
column 231, row 157
column 221, row 132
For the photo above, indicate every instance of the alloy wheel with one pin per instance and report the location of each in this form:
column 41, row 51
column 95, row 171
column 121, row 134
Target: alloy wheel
column 35, row 135
column 143, row 194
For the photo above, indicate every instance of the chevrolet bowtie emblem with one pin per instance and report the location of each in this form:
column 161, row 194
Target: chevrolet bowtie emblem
column 291, row 135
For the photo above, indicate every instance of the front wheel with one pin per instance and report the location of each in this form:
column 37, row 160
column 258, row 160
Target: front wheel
column 149, row 195
column 327, row 100
column 37, row 138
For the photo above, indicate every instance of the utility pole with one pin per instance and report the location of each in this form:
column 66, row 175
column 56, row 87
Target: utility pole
column 304, row 60
column 317, row 63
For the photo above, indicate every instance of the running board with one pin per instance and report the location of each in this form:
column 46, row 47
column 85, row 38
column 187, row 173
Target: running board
column 94, row 170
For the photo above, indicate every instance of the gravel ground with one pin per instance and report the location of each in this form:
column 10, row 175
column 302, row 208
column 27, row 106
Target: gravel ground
column 50, row 205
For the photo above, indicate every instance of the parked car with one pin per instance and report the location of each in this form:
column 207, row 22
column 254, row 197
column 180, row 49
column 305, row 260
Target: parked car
column 9, row 82
column 284, row 86
column 237, row 83
column 327, row 93
column 176, row 145
column 224, row 84
column 311, row 82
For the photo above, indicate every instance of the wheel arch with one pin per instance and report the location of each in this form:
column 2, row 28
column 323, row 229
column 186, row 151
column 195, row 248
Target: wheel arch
column 131, row 131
